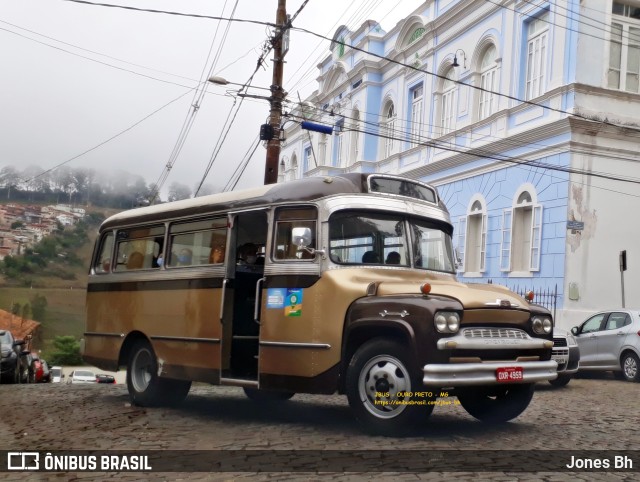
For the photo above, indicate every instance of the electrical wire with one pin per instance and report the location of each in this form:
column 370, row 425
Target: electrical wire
column 476, row 87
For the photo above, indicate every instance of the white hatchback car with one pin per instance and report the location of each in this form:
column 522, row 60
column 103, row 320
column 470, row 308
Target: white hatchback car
column 82, row 376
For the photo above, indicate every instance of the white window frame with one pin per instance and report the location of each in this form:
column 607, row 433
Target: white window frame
column 488, row 76
column 536, row 56
column 534, row 236
column 462, row 232
column 355, row 137
column 505, row 243
column 417, row 101
column 628, row 49
column 448, row 104
column 389, row 128
column 480, row 255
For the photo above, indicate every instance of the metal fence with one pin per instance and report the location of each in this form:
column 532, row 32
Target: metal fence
column 547, row 297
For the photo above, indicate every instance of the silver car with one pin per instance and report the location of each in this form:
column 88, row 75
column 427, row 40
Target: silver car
column 610, row 340
column 566, row 353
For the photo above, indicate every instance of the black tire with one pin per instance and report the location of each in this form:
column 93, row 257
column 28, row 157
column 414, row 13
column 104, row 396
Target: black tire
column 267, row 395
column 146, row 388
column 630, row 367
column 496, row 404
column 561, row 381
column 384, row 366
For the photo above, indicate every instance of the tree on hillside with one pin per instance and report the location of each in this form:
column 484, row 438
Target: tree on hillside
column 67, row 351
column 39, row 307
column 9, row 178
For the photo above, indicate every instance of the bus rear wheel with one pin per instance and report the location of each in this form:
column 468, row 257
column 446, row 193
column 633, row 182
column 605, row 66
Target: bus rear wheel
column 146, row 388
column 381, row 384
column 496, row 404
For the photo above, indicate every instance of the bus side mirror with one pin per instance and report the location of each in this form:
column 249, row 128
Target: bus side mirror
column 301, row 237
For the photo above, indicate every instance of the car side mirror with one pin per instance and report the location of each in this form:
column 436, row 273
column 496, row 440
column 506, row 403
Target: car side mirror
column 575, row 330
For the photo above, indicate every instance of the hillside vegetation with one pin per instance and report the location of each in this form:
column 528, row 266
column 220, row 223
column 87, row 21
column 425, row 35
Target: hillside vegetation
column 48, row 282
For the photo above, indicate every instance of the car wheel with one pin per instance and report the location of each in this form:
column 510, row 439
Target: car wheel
column 380, row 385
column 267, row 395
column 146, row 388
column 630, row 367
column 561, row 381
column 496, row 404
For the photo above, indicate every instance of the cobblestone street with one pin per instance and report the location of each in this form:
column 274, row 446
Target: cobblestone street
column 589, row 414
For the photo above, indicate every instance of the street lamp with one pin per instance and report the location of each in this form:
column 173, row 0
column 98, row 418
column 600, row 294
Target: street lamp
column 222, row 81
column 455, row 59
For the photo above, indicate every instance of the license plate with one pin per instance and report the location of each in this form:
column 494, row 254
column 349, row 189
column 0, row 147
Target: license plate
column 560, row 359
column 509, row 374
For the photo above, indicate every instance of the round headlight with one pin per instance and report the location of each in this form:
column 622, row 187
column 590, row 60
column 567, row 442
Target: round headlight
column 537, row 325
column 453, row 322
column 441, row 322
column 547, row 326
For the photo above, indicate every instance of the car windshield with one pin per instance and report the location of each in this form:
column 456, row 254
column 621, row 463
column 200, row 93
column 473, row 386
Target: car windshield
column 81, row 373
column 56, row 372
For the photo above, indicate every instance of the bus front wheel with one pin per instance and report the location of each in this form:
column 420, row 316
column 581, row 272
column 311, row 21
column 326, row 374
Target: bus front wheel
column 496, row 404
column 146, row 388
column 383, row 388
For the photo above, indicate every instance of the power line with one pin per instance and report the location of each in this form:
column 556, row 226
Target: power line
column 482, row 153
column 110, row 138
column 167, row 12
column 475, row 87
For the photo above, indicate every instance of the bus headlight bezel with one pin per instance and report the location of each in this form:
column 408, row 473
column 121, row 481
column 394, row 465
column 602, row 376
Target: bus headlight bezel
column 446, row 321
column 541, row 325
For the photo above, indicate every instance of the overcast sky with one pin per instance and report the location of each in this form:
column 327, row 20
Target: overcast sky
column 58, row 100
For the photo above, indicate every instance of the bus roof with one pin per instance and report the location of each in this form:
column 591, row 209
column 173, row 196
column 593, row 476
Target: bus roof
column 301, row 190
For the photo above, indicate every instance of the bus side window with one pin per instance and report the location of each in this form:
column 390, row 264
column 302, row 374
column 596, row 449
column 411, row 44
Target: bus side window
column 102, row 263
column 287, row 219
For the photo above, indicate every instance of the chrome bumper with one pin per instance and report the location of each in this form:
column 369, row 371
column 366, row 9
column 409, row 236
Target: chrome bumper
column 471, row 374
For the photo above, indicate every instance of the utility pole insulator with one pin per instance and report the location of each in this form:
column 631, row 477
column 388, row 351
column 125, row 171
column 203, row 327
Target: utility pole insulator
column 277, row 96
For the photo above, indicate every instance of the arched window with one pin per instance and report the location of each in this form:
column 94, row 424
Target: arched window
column 389, row 129
column 488, row 79
column 447, row 109
column 354, row 150
column 472, row 237
column 522, row 233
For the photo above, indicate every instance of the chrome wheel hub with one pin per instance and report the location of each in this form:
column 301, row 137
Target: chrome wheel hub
column 382, row 385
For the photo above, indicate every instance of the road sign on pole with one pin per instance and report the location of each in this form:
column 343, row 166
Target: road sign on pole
column 623, row 268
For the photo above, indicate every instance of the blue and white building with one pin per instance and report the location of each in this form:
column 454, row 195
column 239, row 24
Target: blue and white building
column 524, row 114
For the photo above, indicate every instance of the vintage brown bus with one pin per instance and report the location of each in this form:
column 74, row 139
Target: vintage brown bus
column 326, row 284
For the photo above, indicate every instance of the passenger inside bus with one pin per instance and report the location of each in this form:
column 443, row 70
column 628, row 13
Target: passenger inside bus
column 393, row 258
column 248, row 259
column 185, row 257
column 370, row 257
column 135, row 261
column 217, row 254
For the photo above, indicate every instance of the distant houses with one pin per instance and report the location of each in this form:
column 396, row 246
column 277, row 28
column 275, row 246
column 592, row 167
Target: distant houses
column 21, row 328
column 21, row 226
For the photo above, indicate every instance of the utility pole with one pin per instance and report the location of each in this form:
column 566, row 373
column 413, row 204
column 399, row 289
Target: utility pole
column 277, row 95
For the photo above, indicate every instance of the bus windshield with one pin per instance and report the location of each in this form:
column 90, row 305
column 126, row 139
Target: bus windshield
column 389, row 239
